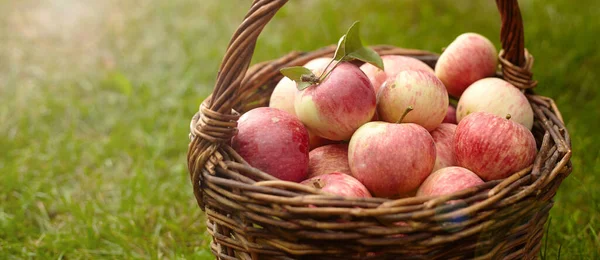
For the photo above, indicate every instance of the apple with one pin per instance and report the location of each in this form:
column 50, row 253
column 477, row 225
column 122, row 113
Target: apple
column 470, row 57
column 283, row 96
column 450, row 115
column 419, row 89
column 447, row 181
column 339, row 105
column 327, row 159
column 443, row 136
column 318, row 63
column 493, row 147
column 285, row 91
column 392, row 64
column 391, row 160
column 340, row 184
column 273, row 141
column 496, row 96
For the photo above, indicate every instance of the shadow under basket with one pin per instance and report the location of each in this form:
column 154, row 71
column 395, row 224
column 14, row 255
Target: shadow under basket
column 252, row 215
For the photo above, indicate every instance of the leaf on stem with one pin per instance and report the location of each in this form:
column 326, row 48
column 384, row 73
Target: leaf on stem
column 354, row 48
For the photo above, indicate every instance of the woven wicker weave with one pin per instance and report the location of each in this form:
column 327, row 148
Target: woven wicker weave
column 252, row 215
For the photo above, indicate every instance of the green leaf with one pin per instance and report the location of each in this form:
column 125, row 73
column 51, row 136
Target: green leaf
column 302, row 85
column 355, row 50
column 340, row 51
column 353, row 41
column 296, row 73
column 367, row 55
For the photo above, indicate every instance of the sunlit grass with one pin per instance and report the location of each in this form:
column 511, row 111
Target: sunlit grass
column 95, row 100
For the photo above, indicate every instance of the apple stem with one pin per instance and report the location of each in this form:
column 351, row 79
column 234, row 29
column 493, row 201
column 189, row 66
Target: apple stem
column 329, row 64
column 318, row 184
column 326, row 72
column 408, row 109
column 508, row 116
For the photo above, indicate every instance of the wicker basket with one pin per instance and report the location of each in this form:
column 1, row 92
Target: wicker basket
column 271, row 219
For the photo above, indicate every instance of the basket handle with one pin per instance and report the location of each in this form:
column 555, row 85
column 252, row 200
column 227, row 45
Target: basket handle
column 515, row 59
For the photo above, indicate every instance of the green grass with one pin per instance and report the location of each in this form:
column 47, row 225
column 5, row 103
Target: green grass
column 95, row 101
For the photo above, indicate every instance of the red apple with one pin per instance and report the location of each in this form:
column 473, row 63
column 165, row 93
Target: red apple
column 496, row 96
column 470, row 57
column 339, row 105
column 392, row 64
column 419, row 89
column 443, row 136
column 450, row 115
column 493, row 147
column 340, row 184
column 391, row 159
column 273, row 141
column 327, row 159
column 447, row 181
column 285, row 91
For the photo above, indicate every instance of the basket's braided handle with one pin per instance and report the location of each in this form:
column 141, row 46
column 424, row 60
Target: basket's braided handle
column 511, row 34
column 516, row 61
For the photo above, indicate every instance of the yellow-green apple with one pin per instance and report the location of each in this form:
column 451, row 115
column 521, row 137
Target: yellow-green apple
column 443, row 136
column 392, row 64
column 273, row 141
column 416, row 88
column 327, row 159
column 283, row 96
column 340, row 104
column 448, row 180
column 493, row 147
column 391, row 160
column 339, row 184
column 470, row 57
column 285, row 91
column 496, row 96
column 450, row 115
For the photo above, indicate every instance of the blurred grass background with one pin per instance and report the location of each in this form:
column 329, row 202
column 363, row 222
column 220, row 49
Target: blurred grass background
column 96, row 97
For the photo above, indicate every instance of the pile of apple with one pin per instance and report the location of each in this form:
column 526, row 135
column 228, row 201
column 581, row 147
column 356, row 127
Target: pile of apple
column 387, row 128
